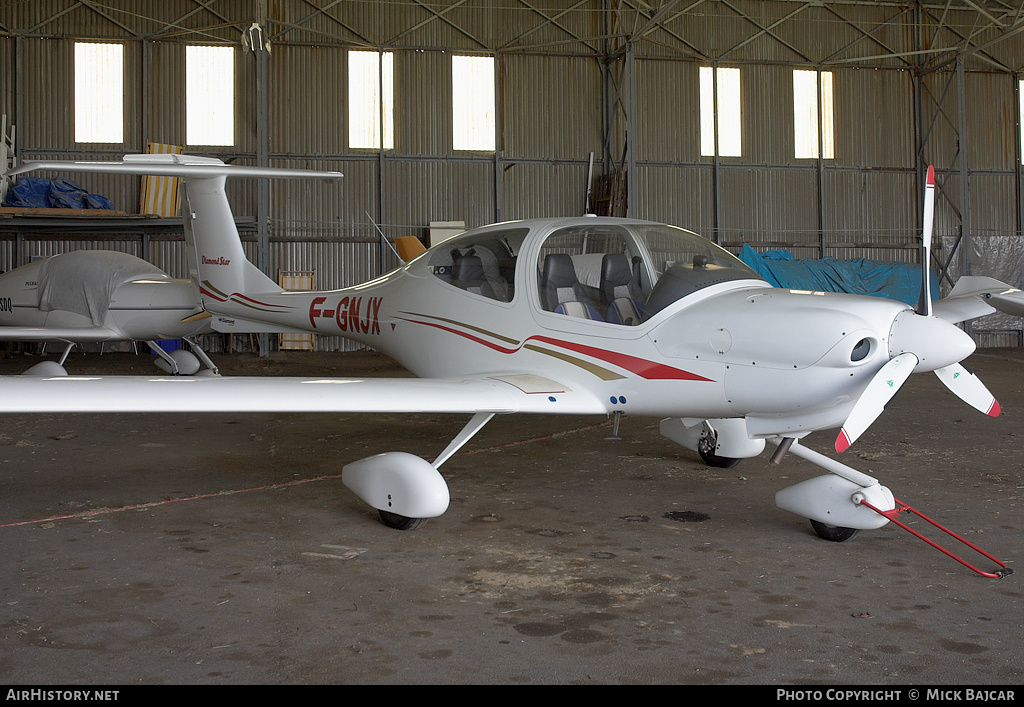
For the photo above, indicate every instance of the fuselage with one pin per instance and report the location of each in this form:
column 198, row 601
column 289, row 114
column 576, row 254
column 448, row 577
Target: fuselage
column 95, row 296
column 711, row 338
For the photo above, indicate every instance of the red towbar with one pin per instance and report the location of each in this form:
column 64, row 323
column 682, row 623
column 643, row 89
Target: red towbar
column 901, row 506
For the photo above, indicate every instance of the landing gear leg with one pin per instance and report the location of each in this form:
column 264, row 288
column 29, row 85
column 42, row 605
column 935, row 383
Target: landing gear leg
column 183, row 363
column 64, row 356
column 198, row 351
column 834, row 502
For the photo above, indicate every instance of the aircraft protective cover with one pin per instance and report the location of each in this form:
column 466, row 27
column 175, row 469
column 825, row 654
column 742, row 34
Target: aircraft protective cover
column 897, row 281
column 97, row 274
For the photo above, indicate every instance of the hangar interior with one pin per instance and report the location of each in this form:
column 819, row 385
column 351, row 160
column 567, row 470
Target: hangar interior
column 213, row 548
column 796, row 125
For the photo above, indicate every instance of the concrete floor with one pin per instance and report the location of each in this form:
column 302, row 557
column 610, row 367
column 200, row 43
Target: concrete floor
column 224, row 549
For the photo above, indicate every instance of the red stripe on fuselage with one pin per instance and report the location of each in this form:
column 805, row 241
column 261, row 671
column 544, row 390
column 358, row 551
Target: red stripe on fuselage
column 650, row 370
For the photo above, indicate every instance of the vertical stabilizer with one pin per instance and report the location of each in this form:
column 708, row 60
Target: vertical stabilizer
column 218, row 267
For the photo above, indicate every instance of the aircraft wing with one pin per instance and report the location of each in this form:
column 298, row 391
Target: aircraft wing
column 975, row 296
column 65, row 334
column 513, row 392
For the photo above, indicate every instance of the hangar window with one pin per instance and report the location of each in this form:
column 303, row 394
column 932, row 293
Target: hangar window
column 812, row 105
column 99, row 92
column 725, row 83
column 473, row 114
column 371, row 96
column 209, row 95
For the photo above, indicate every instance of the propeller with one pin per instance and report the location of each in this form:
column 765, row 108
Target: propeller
column 872, row 401
column 969, row 389
column 919, row 341
column 924, row 302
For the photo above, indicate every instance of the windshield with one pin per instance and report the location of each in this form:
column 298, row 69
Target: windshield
column 685, row 263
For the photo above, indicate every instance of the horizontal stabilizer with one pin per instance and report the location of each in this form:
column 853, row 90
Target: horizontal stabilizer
column 172, row 165
column 975, row 296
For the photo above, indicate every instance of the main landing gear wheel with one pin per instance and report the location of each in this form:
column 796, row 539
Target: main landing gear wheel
column 833, row 533
column 399, row 522
column 706, row 449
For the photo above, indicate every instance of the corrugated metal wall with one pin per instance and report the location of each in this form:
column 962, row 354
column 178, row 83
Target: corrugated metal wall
column 552, row 115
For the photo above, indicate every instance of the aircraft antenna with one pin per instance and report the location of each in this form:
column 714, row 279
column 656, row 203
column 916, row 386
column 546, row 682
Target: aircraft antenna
column 383, row 237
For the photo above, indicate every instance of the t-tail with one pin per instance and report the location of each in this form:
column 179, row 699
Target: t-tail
column 229, row 287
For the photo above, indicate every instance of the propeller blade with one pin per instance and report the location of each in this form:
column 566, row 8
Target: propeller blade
column 969, row 388
column 873, row 400
column 924, row 304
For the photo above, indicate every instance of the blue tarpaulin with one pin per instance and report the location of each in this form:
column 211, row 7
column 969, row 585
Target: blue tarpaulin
column 897, row 281
column 36, row 193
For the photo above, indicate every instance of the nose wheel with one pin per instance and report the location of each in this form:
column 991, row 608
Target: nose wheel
column 706, row 448
column 833, row 533
column 400, row 522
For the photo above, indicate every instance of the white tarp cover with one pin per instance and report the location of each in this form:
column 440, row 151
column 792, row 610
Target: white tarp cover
column 999, row 256
column 84, row 281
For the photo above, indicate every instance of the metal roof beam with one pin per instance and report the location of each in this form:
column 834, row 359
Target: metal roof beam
column 437, row 15
column 968, row 48
column 317, row 11
column 550, row 21
column 866, row 34
column 768, row 30
column 661, row 24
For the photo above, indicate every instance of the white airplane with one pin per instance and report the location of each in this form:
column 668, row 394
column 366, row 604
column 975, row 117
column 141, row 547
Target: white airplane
column 90, row 296
column 585, row 315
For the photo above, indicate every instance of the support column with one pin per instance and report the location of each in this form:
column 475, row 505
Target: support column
column 716, row 176
column 821, row 168
column 966, row 246
column 965, row 192
column 631, row 179
column 258, row 45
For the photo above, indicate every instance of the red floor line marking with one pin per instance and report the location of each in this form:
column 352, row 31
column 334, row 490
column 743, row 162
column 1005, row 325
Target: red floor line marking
column 155, row 504
column 232, row 492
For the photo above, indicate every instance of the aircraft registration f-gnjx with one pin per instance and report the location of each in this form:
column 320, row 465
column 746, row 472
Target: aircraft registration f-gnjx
column 585, row 315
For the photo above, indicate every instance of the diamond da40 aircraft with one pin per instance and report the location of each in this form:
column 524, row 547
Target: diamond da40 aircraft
column 586, row 315
column 96, row 296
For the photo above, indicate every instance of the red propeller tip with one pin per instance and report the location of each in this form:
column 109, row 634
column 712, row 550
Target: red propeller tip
column 994, row 410
column 842, row 442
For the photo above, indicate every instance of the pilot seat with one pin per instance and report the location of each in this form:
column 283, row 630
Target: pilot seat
column 620, row 292
column 561, row 291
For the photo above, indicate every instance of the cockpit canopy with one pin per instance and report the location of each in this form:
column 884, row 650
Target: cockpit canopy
column 611, row 270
